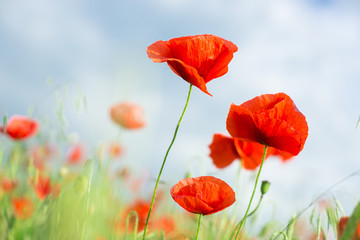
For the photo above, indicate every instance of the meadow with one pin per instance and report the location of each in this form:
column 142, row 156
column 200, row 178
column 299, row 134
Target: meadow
column 53, row 188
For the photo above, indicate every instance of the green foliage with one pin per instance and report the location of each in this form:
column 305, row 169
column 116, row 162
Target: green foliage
column 278, row 233
column 333, row 218
column 291, row 226
column 352, row 223
column 93, row 203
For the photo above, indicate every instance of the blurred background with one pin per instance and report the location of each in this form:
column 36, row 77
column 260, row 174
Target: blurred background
column 67, row 62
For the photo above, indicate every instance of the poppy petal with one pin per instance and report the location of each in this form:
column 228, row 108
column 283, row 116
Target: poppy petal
column 239, row 116
column 221, row 66
column 223, row 151
column 188, row 73
column 284, row 156
column 251, row 153
column 193, row 204
column 160, row 52
column 279, row 134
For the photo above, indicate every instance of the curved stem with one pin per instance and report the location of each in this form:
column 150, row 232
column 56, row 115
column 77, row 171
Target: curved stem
column 249, row 215
column 198, row 228
column 133, row 213
column 252, row 195
column 258, row 205
column 163, row 164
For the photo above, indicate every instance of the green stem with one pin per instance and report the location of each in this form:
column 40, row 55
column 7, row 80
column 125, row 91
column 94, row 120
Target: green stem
column 256, row 208
column 163, row 164
column 133, row 213
column 249, row 215
column 277, row 234
column 318, row 230
column 90, row 175
column 243, row 221
column 198, row 228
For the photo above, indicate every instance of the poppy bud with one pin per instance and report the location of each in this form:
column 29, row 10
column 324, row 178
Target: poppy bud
column 265, row 185
column 188, row 174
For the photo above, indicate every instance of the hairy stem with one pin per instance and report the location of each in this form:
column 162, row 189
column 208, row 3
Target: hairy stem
column 163, row 164
column 252, row 195
column 198, row 228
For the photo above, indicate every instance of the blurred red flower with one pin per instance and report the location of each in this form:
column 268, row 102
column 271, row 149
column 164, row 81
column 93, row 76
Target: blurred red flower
column 20, row 127
column 165, row 223
column 41, row 154
column 123, row 173
column 341, row 228
column 23, row 207
column 115, row 150
column 128, row 115
column 141, row 207
column 197, row 59
column 8, row 185
column 270, row 119
column 75, row 154
column 203, row 195
column 224, row 150
column 56, row 188
column 42, row 187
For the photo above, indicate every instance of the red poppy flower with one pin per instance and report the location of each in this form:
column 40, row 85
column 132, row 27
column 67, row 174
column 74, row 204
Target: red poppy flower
column 342, row 225
column 224, row 150
column 124, row 173
column 20, row 127
column 197, row 59
column 8, row 185
column 42, row 187
column 165, row 223
column 128, row 115
column 141, row 207
column 270, row 119
column 115, row 150
column 23, row 207
column 41, row 154
column 75, row 154
column 203, row 195
column 56, row 188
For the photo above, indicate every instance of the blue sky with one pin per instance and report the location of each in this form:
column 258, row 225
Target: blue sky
column 307, row 49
